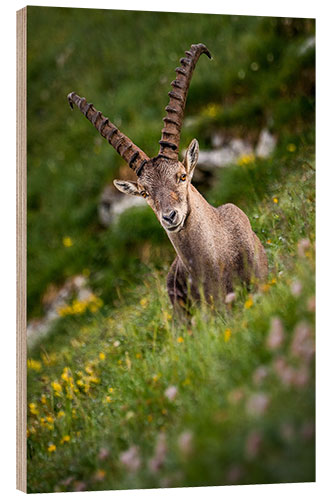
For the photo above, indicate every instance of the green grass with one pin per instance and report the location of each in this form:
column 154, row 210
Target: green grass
column 139, row 351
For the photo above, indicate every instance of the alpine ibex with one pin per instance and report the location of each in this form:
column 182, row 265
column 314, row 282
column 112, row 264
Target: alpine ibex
column 215, row 247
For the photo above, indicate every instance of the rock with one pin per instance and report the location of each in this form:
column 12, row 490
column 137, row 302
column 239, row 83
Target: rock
column 112, row 204
column 266, row 144
column 227, row 154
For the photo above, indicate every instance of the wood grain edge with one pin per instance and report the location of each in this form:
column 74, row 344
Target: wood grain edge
column 21, row 249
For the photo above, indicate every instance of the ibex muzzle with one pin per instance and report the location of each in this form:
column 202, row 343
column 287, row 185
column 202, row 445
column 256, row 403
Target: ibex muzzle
column 215, row 247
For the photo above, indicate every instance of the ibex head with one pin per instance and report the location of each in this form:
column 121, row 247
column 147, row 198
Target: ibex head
column 163, row 181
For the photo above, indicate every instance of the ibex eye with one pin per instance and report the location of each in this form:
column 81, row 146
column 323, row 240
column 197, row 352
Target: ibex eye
column 183, row 177
column 144, row 194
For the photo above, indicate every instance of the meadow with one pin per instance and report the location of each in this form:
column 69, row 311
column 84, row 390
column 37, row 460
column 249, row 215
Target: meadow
column 120, row 393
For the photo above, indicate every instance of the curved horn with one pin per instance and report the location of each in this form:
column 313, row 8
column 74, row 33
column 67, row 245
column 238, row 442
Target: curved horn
column 169, row 142
column 122, row 144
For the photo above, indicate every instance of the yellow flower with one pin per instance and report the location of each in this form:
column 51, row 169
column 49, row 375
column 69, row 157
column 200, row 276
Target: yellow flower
column 66, row 374
column 138, row 355
column 187, row 381
column 110, row 390
column 34, row 365
column 107, row 399
column 144, row 302
column 269, row 242
column 101, row 356
column 67, row 241
column 273, row 281
column 211, row 110
column 89, row 369
column 43, row 399
column 80, row 383
column 100, row 475
column 291, row 148
column 180, row 340
column 246, row 159
column 227, row 334
column 60, row 414
column 50, row 419
column 248, row 303
column 33, row 409
column 57, row 388
column 65, row 439
column 52, row 447
column 275, row 200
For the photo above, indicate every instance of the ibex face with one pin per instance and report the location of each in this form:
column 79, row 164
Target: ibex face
column 164, row 184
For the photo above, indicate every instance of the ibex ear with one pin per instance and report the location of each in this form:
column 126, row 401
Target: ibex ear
column 127, row 187
column 191, row 157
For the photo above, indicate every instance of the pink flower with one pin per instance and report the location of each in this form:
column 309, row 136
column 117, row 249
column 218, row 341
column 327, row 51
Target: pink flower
column 276, row 334
column 296, row 288
column 253, row 444
column 302, row 345
column 157, row 461
column 301, row 376
column 131, row 459
column 171, row 392
column 303, row 246
column 257, row 404
column 230, row 297
column 284, row 371
column 185, row 442
column 259, row 375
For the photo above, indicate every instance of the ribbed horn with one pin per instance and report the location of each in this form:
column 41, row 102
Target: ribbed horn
column 133, row 155
column 169, row 143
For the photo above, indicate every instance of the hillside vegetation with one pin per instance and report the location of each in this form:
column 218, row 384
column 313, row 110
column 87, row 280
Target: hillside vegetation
column 120, row 393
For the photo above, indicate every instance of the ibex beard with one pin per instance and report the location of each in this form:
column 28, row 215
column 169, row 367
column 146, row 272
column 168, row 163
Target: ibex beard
column 215, row 247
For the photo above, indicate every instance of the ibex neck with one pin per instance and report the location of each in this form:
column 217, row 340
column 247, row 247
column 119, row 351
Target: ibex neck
column 194, row 244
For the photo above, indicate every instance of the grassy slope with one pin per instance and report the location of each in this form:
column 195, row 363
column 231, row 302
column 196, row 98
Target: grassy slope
column 138, row 351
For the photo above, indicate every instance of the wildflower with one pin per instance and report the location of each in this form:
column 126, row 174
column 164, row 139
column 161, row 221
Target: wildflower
column 235, row 396
column 291, row 148
column 65, row 374
column 34, row 365
column 180, row 340
column 100, row 475
column 269, row 241
column 57, row 388
column 131, row 459
column 50, row 419
column 43, row 399
column 67, row 241
column 52, row 447
column 273, row 281
column 248, row 303
column 103, row 454
column 138, row 355
column 33, row 409
column 235, row 473
column 211, row 110
column 101, row 356
column 80, row 382
column 227, row 334
column 259, row 375
column 246, row 159
column 171, row 392
column 130, row 414
column 296, row 288
column 157, row 461
column 301, row 376
column 107, row 399
column 253, row 444
column 185, row 442
column 61, row 414
column 65, row 439
column 144, row 302
column 275, row 200
column 311, row 304
column 116, row 343
column 303, row 247
column 276, row 334
column 257, row 404
column 110, row 390
column 302, row 345
column 284, row 371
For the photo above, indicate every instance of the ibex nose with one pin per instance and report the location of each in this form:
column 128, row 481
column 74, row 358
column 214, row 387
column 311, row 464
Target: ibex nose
column 170, row 217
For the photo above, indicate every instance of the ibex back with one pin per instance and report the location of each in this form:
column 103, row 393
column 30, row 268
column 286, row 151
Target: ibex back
column 215, row 247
